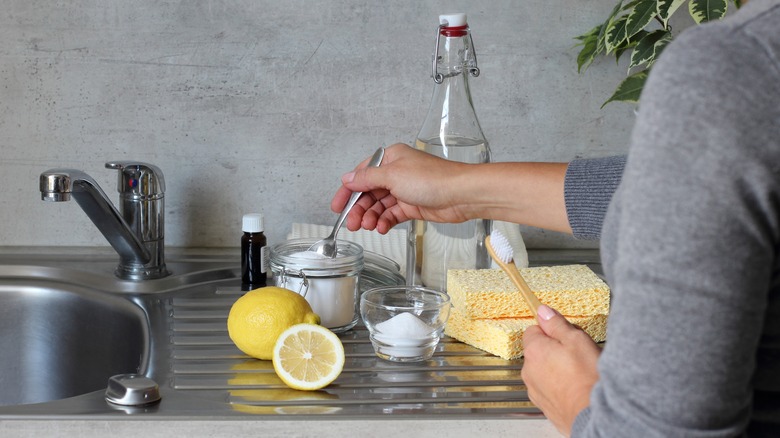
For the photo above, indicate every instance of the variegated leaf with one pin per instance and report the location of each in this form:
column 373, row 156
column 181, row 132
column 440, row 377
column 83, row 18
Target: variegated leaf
column 630, row 89
column 631, row 5
column 602, row 36
column 615, row 34
column 587, row 53
column 628, row 46
column 707, row 10
column 666, row 8
column 660, row 45
column 593, row 33
column 615, row 11
column 640, row 16
column 647, row 49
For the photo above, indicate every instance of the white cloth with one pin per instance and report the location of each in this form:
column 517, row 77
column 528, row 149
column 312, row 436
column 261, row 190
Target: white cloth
column 393, row 244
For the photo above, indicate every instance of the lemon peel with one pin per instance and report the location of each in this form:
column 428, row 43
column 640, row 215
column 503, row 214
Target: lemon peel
column 258, row 318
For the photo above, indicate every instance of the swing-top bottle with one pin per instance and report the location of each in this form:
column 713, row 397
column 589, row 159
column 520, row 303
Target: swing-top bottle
column 451, row 130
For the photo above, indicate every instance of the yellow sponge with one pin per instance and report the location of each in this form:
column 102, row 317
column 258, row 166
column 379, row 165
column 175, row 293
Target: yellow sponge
column 572, row 290
column 504, row 336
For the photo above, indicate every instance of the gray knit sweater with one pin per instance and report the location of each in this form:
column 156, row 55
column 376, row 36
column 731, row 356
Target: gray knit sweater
column 690, row 242
column 588, row 189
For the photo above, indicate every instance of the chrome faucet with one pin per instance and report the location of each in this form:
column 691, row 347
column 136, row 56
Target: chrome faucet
column 135, row 231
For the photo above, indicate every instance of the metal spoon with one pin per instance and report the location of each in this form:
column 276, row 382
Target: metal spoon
column 327, row 246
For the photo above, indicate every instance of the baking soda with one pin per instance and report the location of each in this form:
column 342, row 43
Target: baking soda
column 404, row 326
column 332, row 298
column 405, row 336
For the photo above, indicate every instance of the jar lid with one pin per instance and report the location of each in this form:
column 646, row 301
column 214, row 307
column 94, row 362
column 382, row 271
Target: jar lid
column 252, row 223
column 293, row 255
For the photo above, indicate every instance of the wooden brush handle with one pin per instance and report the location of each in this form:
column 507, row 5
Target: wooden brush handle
column 529, row 296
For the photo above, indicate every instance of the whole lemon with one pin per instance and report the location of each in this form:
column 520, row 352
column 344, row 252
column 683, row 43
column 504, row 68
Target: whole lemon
column 258, row 318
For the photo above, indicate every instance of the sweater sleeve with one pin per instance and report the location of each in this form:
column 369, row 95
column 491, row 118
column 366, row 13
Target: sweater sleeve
column 588, row 189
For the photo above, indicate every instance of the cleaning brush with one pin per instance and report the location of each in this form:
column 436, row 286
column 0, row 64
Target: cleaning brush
column 501, row 251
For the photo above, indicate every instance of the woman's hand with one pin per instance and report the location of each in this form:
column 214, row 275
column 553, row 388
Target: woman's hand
column 559, row 369
column 409, row 184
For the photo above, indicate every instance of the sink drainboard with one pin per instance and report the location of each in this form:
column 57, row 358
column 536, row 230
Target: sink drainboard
column 458, row 379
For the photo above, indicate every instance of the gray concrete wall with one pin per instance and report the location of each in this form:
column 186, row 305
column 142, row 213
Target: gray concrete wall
column 260, row 105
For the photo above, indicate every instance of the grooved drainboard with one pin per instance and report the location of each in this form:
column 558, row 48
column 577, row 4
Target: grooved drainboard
column 458, row 379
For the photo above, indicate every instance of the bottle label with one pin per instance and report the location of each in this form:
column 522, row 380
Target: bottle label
column 264, row 255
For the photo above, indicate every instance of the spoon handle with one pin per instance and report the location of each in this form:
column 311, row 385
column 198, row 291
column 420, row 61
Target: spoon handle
column 375, row 161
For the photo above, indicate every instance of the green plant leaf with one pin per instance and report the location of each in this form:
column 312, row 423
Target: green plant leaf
column 640, row 16
column 628, row 45
column 615, row 12
column 659, row 46
column 626, row 29
column 615, row 34
column 631, row 5
column 630, row 89
column 649, row 47
column 707, row 10
column 667, row 8
column 589, row 34
column 601, row 42
column 619, row 52
column 586, row 55
column 589, row 51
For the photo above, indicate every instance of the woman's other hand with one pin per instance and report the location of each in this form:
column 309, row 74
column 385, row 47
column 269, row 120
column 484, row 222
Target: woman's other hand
column 559, row 369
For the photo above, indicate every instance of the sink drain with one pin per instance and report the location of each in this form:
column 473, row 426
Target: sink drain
column 132, row 390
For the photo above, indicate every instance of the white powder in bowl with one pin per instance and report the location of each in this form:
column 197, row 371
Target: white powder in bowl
column 404, row 326
column 405, row 336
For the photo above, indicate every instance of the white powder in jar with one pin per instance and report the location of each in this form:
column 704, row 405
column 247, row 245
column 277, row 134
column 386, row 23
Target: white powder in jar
column 332, row 298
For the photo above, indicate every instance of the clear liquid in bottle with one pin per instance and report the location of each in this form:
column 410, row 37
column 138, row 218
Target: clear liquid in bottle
column 450, row 130
column 433, row 248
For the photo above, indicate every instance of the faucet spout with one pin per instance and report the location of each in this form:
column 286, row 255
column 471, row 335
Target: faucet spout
column 140, row 251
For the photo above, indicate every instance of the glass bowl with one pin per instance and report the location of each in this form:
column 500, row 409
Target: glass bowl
column 405, row 322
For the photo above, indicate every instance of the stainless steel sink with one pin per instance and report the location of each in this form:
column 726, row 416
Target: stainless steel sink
column 60, row 340
column 67, row 324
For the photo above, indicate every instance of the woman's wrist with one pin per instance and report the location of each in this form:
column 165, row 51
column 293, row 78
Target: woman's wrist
column 521, row 192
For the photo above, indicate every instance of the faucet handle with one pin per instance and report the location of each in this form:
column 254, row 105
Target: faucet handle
column 136, row 178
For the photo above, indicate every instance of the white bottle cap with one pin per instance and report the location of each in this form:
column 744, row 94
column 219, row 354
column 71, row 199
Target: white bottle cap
column 452, row 20
column 252, row 223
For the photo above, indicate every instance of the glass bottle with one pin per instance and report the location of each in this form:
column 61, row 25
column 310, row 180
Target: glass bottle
column 450, row 130
column 254, row 252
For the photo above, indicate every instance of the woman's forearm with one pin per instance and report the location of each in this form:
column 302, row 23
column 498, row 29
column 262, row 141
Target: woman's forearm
column 520, row 192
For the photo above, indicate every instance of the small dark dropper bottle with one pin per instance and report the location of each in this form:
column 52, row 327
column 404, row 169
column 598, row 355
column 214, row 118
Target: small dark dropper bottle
column 254, row 253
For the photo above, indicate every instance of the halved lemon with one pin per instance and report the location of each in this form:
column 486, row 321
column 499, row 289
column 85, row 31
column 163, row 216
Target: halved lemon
column 308, row 356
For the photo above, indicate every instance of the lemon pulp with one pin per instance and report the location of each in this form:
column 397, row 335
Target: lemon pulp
column 308, row 357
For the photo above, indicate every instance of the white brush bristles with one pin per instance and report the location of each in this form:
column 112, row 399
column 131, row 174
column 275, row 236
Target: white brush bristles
column 501, row 246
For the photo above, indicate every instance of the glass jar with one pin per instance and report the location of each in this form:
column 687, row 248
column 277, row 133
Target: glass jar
column 330, row 285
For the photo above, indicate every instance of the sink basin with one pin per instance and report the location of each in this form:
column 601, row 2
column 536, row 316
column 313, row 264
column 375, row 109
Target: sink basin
column 67, row 323
column 60, row 340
